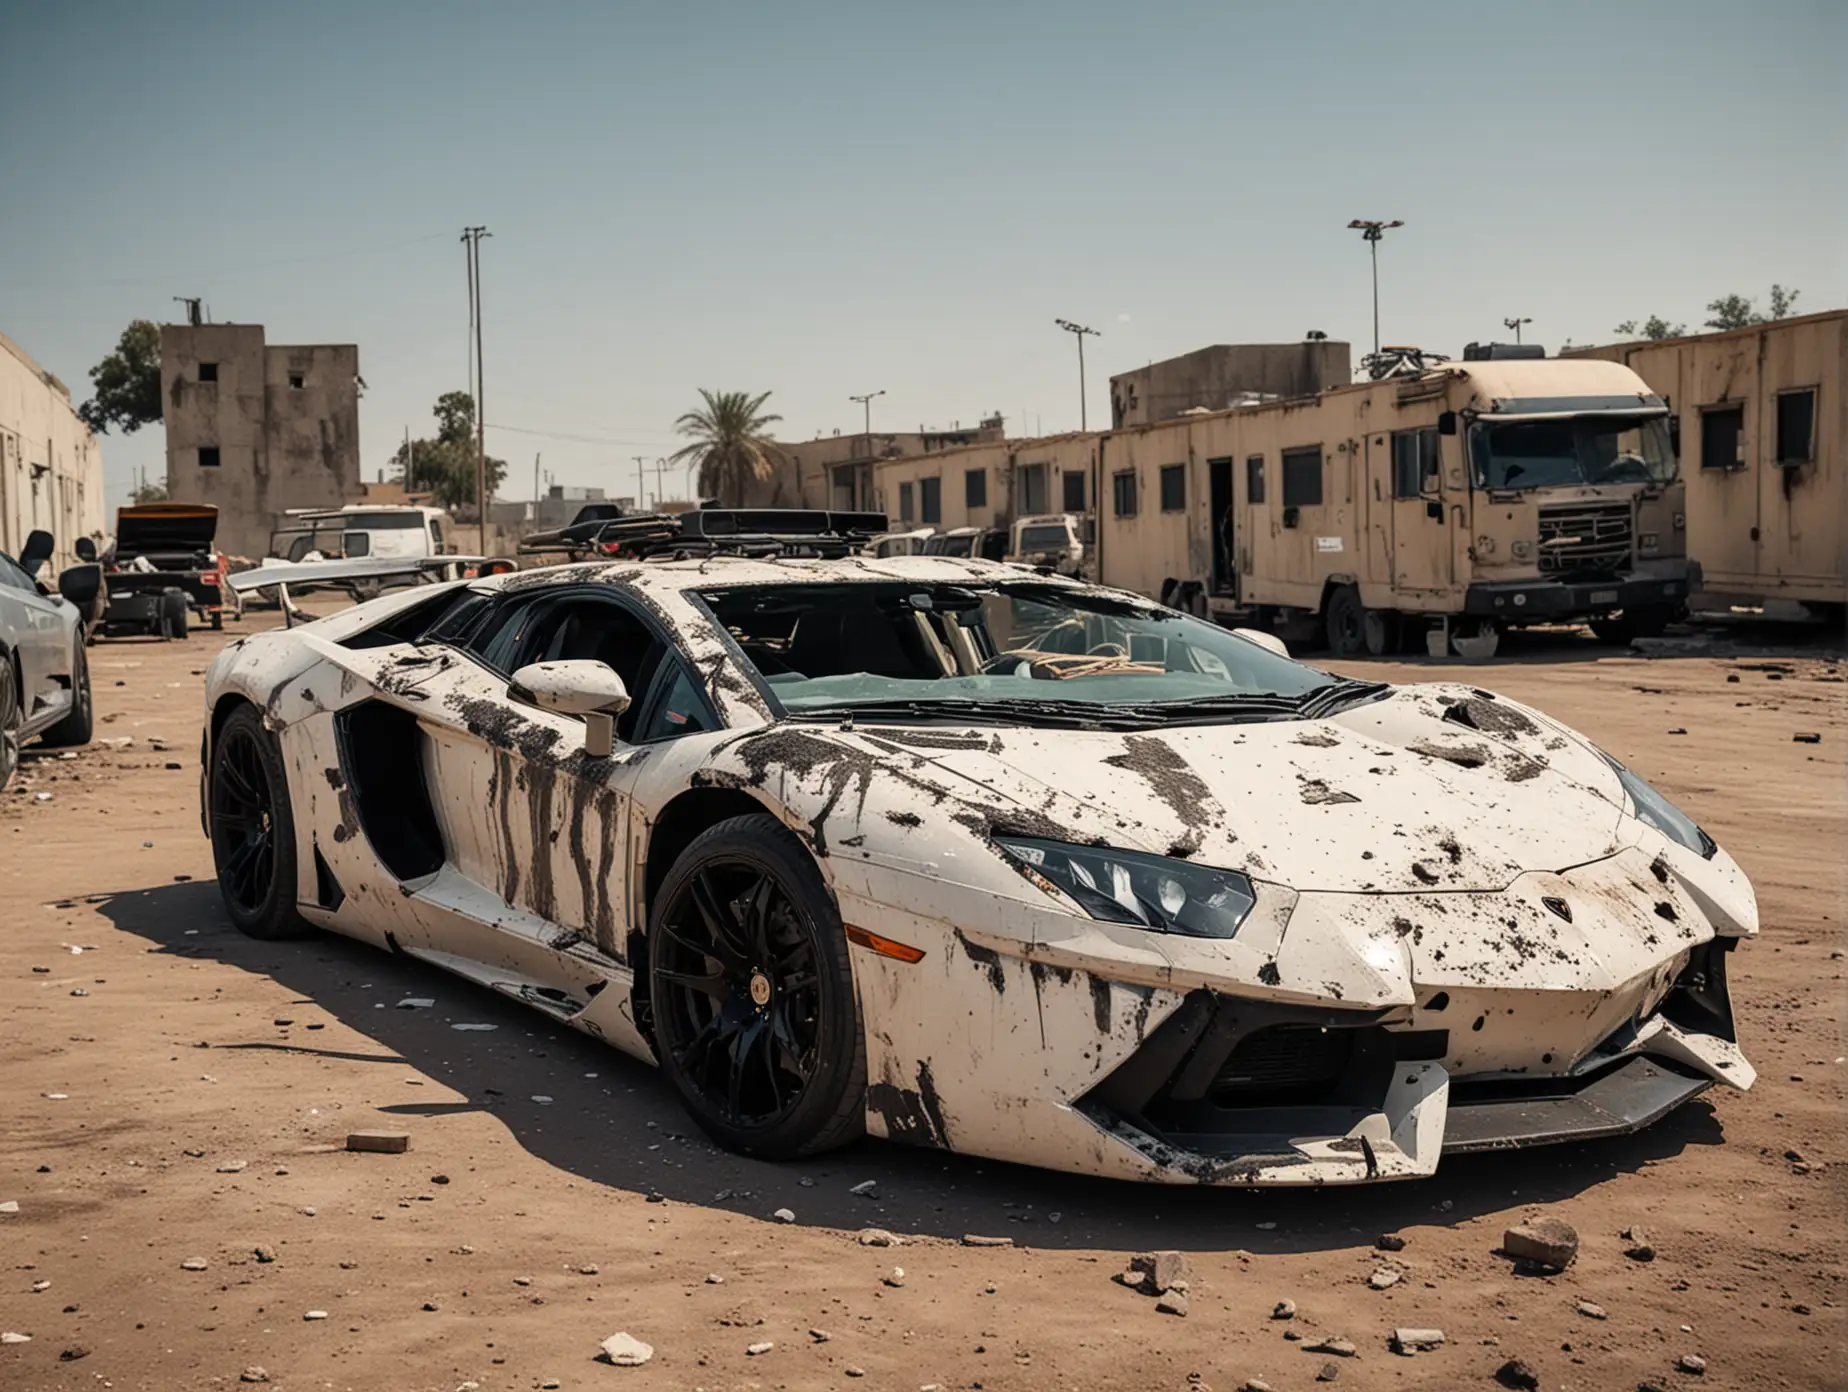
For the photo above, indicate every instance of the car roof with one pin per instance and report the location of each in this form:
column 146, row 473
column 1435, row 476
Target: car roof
column 677, row 577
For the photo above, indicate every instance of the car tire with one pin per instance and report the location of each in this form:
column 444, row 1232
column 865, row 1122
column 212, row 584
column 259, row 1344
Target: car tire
column 218, row 620
column 10, row 718
column 173, row 615
column 755, row 1018
column 1346, row 620
column 77, row 727
column 252, row 829
column 1381, row 629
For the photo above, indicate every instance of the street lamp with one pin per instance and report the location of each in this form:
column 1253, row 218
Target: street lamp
column 1515, row 324
column 867, row 402
column 1078, row 331
column 1371, row 230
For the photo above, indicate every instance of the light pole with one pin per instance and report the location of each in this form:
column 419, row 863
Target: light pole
column 471, row 237
column 1515, row 324
column 1371, row 230
column 867, row 402
column 1078, row 331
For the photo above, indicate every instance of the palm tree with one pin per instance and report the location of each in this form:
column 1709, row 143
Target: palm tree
column 729, row 442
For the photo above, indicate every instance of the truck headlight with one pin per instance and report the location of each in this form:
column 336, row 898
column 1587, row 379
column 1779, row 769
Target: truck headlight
column 1652, row 809
column 1155, row 892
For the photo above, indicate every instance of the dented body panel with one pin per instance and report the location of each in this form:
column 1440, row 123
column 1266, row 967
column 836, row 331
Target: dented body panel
column 1457, row 920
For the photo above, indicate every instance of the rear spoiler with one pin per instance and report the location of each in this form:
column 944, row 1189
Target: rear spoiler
column 279, row 575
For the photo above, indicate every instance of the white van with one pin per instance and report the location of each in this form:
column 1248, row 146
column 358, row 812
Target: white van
column 1054, row 540
column 362, row 529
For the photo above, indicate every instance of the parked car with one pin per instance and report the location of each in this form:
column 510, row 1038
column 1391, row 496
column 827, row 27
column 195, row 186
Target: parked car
column 163, row 568
column 1054, row 541
column 991, row 861
column 44, row 675
column 909, row 543
column 982, row 543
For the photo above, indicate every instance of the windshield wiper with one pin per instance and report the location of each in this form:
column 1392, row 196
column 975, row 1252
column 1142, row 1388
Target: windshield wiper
column 1038, row 711
column 1343, row 695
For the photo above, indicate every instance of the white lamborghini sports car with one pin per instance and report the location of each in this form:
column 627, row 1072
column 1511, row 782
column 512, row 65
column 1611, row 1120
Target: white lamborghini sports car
column 968, row 856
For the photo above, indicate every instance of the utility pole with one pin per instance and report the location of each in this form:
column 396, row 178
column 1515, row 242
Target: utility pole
column 471, row 238
column 1079, row 331
column 660, row 488
column 535, row 478
column 1515, row 324
column 1371, row 230
column 641, row 484
column 867, row 402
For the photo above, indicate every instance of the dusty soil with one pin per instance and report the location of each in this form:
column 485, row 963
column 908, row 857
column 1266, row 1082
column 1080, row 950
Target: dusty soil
column 176, row 1092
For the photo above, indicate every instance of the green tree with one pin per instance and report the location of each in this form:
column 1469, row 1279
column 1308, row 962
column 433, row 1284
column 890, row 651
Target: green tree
column 148, row 493
column 127, row 383
column 1737, row 312
column 1655, row 326
column 444, row 467
column 729, row 442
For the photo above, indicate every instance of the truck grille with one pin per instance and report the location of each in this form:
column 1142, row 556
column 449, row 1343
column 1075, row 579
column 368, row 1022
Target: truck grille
column 1586, row 536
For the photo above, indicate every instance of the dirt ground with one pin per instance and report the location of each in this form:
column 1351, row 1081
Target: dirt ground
column 176, row 1094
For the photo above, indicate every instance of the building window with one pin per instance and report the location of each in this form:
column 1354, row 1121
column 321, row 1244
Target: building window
column 208, row 372
column 930, row 498
column 1073, row 483
column 975, row 488
column 1414, row 462
column 1722, row 431
column 208, row 456
column 1173, row 487
column 1302, row 477
column 904, row 502
column 1254, row 479
column 297, row 381
column 1123, row 493
column 1033, row 489
column 1796, row 426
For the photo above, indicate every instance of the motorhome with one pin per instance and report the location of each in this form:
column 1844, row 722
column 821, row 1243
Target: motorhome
column 1447, row 504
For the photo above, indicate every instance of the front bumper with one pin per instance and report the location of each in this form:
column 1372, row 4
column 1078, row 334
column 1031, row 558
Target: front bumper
column 1231, row 1090
column 1543, row 600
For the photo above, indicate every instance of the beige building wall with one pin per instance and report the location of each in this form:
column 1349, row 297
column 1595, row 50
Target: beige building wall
column 51, row 466
column 1209, row 379
column 896, row 480
column 1760, row 526
column 281, row 423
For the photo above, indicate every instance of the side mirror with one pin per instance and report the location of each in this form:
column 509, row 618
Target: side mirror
column 37, row 550
column 1447, row 423
column 80, row 584
column 1270, row 642
column 581, row 687
column 85, row 548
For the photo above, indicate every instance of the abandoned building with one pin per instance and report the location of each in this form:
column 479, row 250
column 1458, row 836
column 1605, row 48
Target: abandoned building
column 257, row 428
column 836, row 471
column 51, row 469
column 1225, row 375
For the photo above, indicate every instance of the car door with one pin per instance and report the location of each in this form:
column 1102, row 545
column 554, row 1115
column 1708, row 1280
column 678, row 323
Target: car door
column 33, row 626
column 529, row 816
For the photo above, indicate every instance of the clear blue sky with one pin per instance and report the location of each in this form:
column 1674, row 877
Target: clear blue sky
column 820, row 198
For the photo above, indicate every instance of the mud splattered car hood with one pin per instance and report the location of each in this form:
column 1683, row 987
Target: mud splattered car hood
column 1431, row 788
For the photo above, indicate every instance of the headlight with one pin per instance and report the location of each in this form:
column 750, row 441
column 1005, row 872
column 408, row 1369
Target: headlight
column 1148, row 891
column 1652, row 809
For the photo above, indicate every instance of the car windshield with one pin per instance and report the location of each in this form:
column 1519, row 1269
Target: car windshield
column 1027, row 652
column 951, row 545
column 1572, row 450
column 1044, row 539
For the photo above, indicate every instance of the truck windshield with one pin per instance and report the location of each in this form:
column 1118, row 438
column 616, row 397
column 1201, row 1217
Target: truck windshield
column 1573, row 450
column 1034, row 539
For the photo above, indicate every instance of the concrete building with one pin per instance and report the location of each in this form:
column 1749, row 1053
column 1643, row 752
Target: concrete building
column 258, row 428
column 51, row 469
column 837, row 471
column 1227, row 374
column 990, row 484
column 1762, row 416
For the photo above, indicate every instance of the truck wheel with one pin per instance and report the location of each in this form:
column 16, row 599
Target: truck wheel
column 1381, row 627
column 1347, row 623
column 173, row 616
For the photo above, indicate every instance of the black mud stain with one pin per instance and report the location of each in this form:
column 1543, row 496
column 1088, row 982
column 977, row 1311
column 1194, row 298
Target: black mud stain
column 904, row 819
column 987, row 959
column 1317, row 793
column 939, row 739
column 1269, row 975
column 1483, row 712
column 1100, row 1003
column 1424, row 872
column 1452, row 851
column 913, row 1116
column 1043, row 972
column 1462, row 755
column 1317, row 739
column 1172, row 779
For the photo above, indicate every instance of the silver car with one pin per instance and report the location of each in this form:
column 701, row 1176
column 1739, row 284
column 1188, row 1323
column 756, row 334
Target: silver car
column 44, row 679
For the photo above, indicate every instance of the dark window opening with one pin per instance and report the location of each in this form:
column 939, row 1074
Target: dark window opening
column 1254, row 479
column 930, row 500
column 574, row 628
column 297, row 380
column 1302, row 477
column 208, row 456
column 1796, row 426
column 904, row 502
column 1123, row 493
column 975, row 488
column 1722, row 433
column 208, row 372
column 1414, row 462
column 381, row 758
column 1033, row 489
column 1073, row 484
column 1173, row 487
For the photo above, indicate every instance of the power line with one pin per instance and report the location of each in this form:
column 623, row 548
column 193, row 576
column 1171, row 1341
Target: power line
column 580, row 439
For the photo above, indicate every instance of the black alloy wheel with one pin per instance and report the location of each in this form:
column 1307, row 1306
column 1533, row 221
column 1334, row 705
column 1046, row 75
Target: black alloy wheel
column 751, row 993
column 253, row 833
column 76, row 727
column 9, row 720
column 1347, row 623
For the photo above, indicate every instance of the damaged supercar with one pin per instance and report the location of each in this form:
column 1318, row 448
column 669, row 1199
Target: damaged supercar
column 968, row 856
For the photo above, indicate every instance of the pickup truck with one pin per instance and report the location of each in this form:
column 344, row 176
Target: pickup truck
column 163, row 568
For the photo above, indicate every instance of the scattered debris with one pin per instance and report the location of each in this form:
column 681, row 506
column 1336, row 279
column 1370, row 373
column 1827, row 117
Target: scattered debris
column 1156, row 1273
column 1636, row 1245
column 254, row 1373
column 1545, row 1242
column 1389, row 1242
column 626, row 1351
column 1691, row 1363
column 1328, row 1372
column 784, row 1215
column 762, row 1346
column 897, row 1278
column 866, row 1189
column 193, row 1264
column 315, row 1315
column 264, row 1253
column 877, row 1237
column 1385, row 1278
column 1283, row 1310
column 820, row 1336
column 1517, row 1375
column 1173, row 1303
column 1410, row 1341
column 1591, row 1310
column 1806, row 738
column 417, row 1003
column 977, row 1240
column 9, row 1337
column 1340, row 1347
column 465, row 1025
column 379, row 1142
